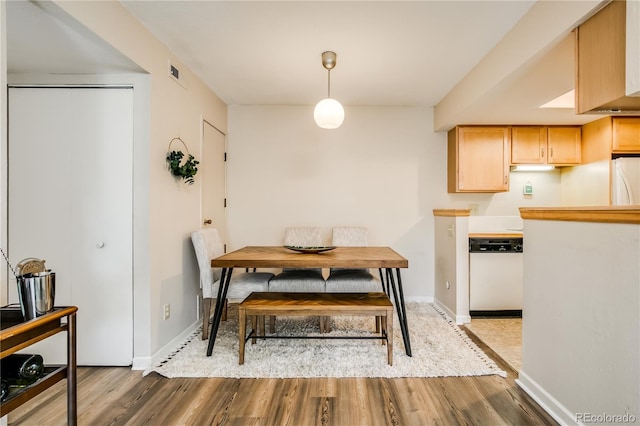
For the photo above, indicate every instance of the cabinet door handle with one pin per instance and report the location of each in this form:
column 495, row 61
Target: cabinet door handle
column 505, row 179
column 542, row 152
column 207, row 222
column 551, row 152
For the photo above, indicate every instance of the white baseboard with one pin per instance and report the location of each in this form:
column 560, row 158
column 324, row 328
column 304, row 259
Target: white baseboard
column 548, row 403
column 145, row 363
column 458, row 319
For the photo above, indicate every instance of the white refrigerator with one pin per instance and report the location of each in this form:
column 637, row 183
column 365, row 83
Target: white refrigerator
column 625, row 181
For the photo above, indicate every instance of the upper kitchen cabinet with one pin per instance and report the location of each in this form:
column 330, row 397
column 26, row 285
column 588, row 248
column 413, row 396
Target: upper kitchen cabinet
column 609, row 136
column 557, row 145
column 564, row 145
column 478, row 159
column 528, row 145
column 608, row 60
column 626, row 135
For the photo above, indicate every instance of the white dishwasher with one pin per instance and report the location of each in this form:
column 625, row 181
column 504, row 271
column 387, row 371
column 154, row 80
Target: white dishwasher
column 495, row 276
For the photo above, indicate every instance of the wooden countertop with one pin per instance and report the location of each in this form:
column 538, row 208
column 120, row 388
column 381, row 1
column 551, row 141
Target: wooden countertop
column 451, row 212
column 603, row 214
column 495, row 235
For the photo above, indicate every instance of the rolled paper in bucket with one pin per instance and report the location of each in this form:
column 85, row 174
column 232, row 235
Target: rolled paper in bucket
column 37, row 293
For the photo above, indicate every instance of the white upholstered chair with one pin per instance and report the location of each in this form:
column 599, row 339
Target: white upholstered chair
column 208, row 245
column 298, row 280
column 351, row 280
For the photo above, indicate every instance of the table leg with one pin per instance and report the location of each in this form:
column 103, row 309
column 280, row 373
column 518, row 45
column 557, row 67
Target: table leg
column 72, row 375
column 398, row 296
column 225, row 280
column 242, row 328
column 385, row 288
column 389, row 331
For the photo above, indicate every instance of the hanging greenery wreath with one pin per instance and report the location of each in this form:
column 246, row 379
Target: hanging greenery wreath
column 187, row 170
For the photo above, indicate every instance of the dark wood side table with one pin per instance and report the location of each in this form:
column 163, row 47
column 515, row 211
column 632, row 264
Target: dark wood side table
column 17, row 334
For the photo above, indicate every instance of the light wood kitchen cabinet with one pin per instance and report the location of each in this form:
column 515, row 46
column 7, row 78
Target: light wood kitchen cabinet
column 478, row 159
column 556, row 145
column 626, row 135
column 590, row 183
column 602, row 84
column 609, row 136
column 564, row 145
column 528, row 145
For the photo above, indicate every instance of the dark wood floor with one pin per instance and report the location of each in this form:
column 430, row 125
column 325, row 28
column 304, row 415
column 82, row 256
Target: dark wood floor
column 119, row 396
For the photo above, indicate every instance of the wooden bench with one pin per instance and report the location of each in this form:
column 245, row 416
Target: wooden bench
column 258, row 305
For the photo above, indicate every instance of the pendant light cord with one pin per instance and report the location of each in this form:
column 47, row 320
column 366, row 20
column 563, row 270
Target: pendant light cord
column 328, row 83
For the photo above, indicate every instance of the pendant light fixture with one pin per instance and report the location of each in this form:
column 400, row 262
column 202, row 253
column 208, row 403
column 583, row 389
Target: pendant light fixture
column 328, row 113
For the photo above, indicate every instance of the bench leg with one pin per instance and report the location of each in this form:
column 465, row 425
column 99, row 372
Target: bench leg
column 261, row 331
column 242, row 329
column 382, row 323
column 324, row 324
column 272, row 324
column 254, row 328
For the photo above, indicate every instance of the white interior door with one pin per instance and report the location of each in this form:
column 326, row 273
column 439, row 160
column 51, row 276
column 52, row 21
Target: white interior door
column 213, row 179
column 70, row 203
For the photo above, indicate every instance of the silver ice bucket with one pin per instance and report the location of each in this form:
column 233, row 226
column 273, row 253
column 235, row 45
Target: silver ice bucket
column 37, row 293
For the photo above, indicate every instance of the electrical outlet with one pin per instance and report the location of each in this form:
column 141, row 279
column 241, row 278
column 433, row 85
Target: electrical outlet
column 167, row 311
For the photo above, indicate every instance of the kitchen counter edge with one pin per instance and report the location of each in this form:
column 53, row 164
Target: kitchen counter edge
column 451, row 212
column 602, row 214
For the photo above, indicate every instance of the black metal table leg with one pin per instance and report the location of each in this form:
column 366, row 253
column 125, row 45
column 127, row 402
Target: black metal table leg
column 398, row 296
column 225, row 280
column 385, row 288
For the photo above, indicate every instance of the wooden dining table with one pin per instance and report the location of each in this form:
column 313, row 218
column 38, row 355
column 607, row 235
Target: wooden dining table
column 385, row 259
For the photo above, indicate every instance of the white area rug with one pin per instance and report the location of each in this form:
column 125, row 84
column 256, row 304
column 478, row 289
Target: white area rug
column 439, row 347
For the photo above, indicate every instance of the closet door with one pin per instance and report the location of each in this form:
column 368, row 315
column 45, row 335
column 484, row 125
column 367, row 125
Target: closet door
column 70, row 203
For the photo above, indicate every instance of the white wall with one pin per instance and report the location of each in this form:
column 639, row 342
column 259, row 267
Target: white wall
column 581, row 324
column 165, row 211
column 546, row 192
column 452, row 266
column 383, row 169
column 587, row 185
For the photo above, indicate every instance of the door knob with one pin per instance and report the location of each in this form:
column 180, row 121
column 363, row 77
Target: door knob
column 100, row 244
column 207, row 222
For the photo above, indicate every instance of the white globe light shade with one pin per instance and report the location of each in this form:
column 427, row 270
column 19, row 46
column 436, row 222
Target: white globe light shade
column 329, row 114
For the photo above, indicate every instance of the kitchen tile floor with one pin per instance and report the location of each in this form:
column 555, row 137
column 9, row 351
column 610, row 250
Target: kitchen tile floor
column 503, row 335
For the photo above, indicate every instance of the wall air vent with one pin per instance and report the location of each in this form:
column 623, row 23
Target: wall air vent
column 176, row 75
